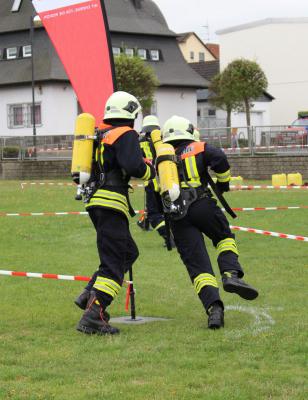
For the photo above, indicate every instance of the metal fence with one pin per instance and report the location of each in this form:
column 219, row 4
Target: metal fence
column 275, row 140
column 49, row 147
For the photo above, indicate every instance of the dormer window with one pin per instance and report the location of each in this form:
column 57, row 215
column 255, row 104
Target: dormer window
column 11, row 53
column 154, row 55
column 116, row 51
column 129, row 52
column 26, row 51
column 142, row 53
column 16, row 5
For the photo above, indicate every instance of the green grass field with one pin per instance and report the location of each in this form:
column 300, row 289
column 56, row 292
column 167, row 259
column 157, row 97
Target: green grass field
column 260, row 354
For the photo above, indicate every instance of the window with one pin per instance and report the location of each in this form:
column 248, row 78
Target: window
column 16, row 5
column 201, row 57
column 142, row 53
column 1, row 54
column 211, row 113
column 154, row 55
column 116, row 51
column 199, row 112
column 16, row 116
column 192, row 55
column 26, row 51
column 154, row 108
column 20, row 115
column 129, row 52
column 37, row 114
column 11, row 53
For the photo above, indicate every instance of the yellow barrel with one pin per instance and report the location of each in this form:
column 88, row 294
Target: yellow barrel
column 167, row 169
column 295, row 179
column 83, row 147
column 279, row 180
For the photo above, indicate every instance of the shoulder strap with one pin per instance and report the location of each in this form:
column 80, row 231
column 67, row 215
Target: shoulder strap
column 113, row 135
column 193, row 149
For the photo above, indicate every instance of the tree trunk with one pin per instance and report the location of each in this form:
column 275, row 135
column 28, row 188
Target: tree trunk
column 229, row 110
column 247, row 109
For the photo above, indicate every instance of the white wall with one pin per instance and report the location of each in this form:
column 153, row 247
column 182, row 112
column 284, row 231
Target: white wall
column 58, row 108
column 176, row 101
column 260, row 115
column 281, row 50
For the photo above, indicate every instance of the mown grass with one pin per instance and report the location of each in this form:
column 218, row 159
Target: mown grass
column 260, row 354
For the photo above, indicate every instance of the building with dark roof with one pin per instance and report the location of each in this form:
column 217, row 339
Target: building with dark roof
column 210, row 117
column 135, row 25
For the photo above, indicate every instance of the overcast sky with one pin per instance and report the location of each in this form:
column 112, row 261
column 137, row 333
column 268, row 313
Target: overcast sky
column 193, row 15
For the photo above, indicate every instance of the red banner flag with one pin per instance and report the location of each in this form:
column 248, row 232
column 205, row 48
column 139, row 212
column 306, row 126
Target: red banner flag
column 79, row 32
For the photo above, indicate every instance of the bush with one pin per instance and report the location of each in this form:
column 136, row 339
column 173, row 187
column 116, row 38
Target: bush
column 10, row 152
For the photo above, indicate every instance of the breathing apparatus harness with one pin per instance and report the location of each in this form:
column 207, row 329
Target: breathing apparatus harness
column 100, row 179
column 178, row 209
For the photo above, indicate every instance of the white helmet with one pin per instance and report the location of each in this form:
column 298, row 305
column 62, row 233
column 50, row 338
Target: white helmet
column 149, row 123
column 196, row 135
column 177, row 128
column 122, row 105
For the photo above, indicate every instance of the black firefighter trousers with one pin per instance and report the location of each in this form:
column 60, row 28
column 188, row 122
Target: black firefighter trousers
column 204, row 216
column 116, row 248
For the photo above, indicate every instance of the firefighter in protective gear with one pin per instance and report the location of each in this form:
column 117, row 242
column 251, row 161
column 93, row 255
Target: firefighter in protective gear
column 203, row 216
column 116, row 158
column 152, row 200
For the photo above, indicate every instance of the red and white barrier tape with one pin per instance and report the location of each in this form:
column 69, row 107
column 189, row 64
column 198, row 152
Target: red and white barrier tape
column 289, row 146
column 51, row 214
column 267, row 208
column 50, row 276
column 46, row 276
column 40, row 214
column 22, row 184
column 252, row 187
column 269, row 233
column 233, row 187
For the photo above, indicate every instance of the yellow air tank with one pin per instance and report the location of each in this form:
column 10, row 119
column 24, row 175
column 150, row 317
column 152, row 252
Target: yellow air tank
column 167, row 169
column 83, row 147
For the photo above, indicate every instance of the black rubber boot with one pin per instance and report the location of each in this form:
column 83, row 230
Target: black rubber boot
column 233, row 284
column 95, row 320
column 216, row 316
column 82, row 300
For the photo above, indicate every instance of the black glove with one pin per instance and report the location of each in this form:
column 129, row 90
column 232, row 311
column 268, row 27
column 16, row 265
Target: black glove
column 223, row 186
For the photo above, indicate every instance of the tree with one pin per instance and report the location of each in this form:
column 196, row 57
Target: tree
column 245, row 81
column 222, row 98
column 137, row 78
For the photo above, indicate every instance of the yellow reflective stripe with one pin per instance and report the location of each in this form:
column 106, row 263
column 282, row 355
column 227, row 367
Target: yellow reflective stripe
column 96, row 155
column 109, row 204
column 102, row 193
column 192, row 172
column 192, row 183
column 106, row 285
column 111, row 282
column 147, row 174
column 204, row 280
column 224, row 176
column 159, row 225
column 188, row 167
column 102, row 148
column 228, row 244
column 194, row 167
column 145, row 146
column 156, row 186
